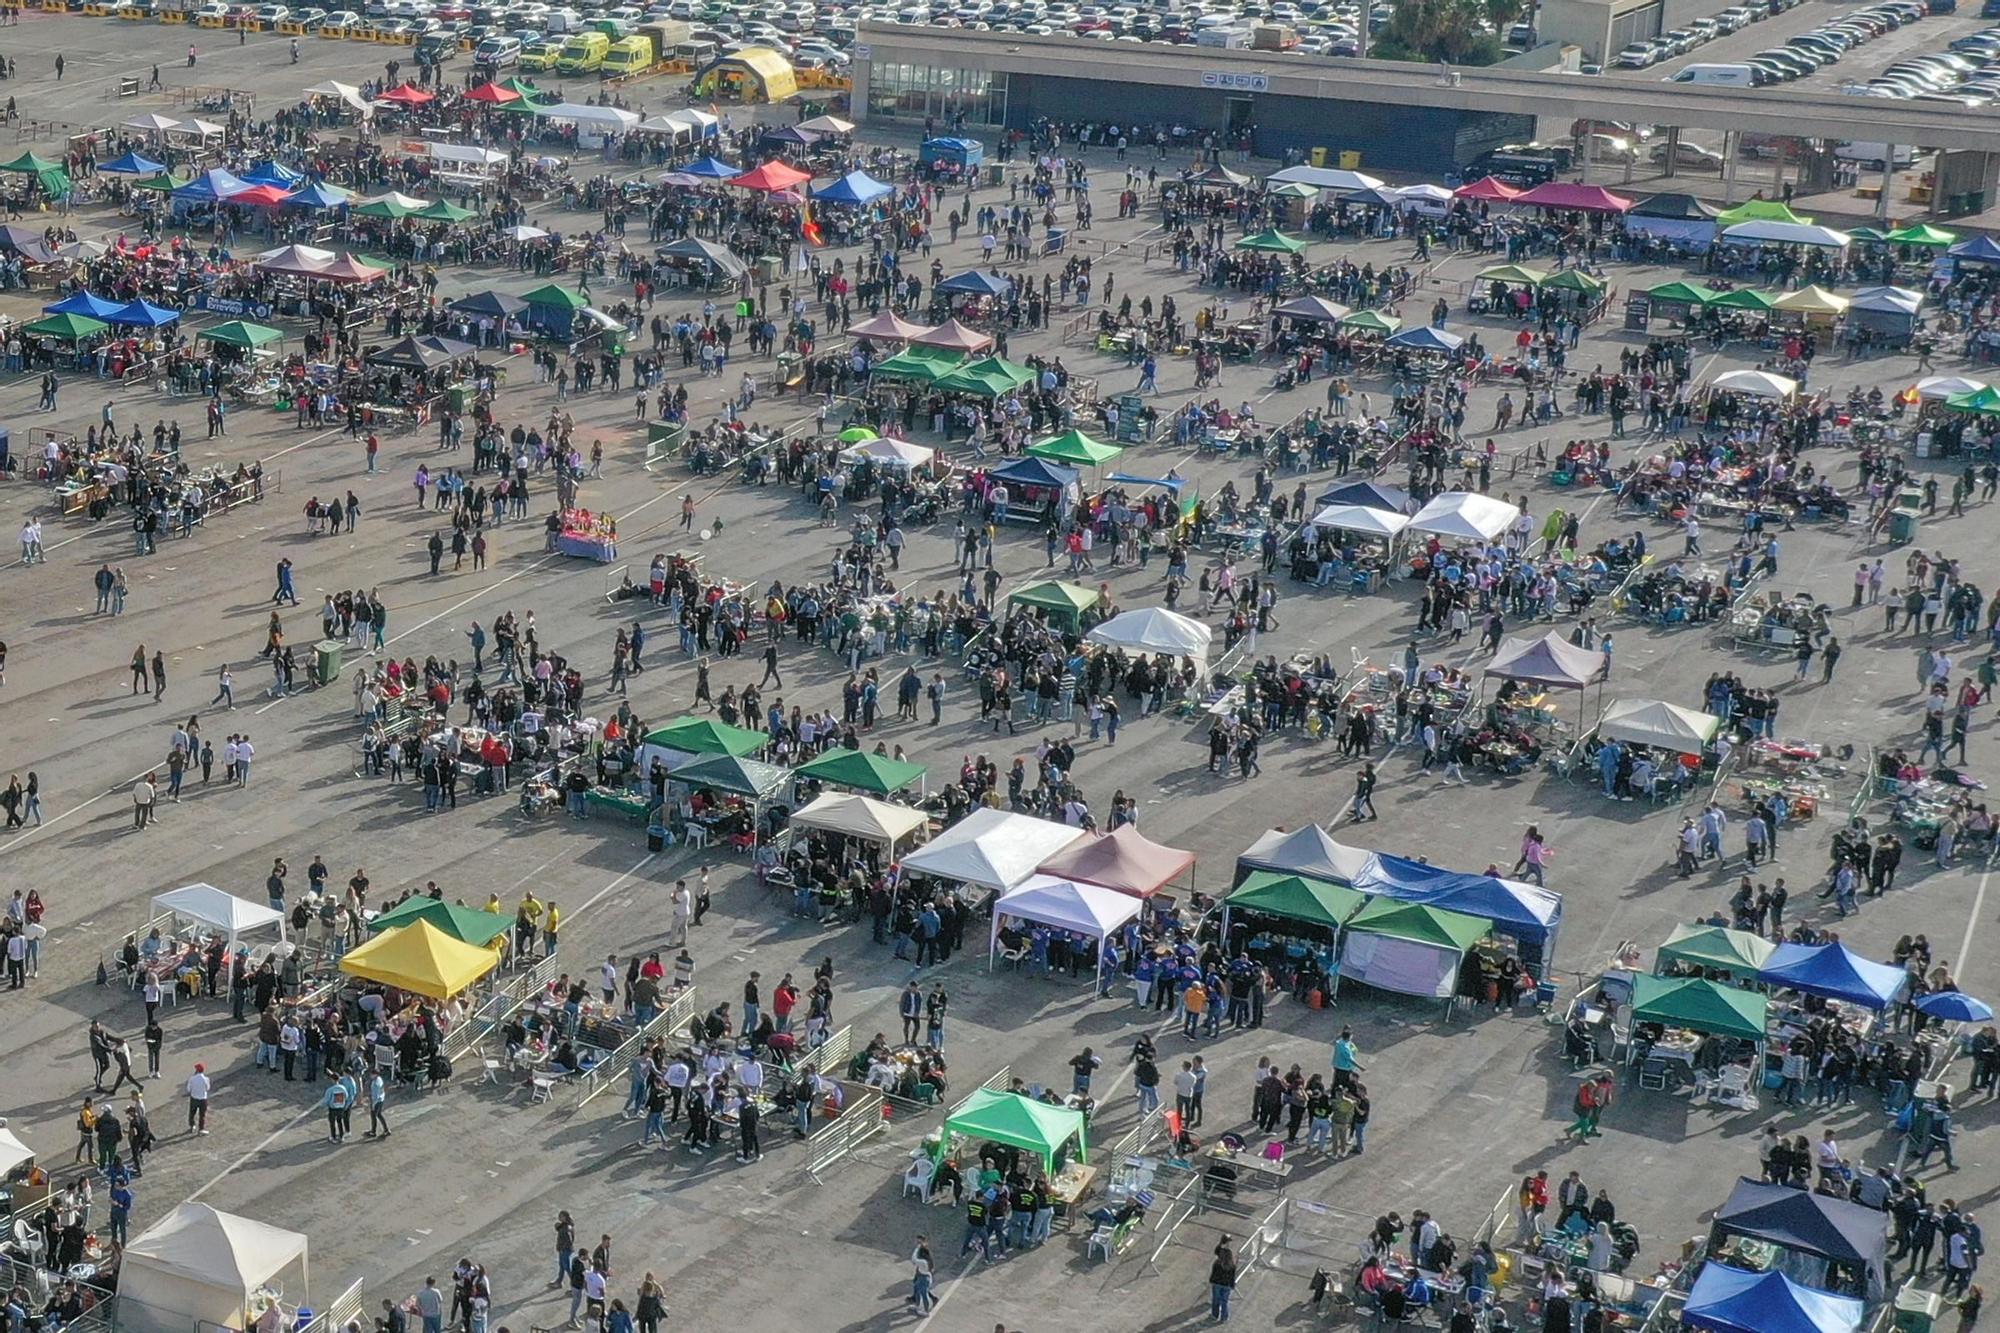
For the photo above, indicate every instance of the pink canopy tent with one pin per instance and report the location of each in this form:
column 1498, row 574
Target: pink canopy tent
column 771, row 177
column 1124, row 860
column 1569, row 194
column 267, row 196
column 886, row 327
column 954, row 336
column 1492, row 189
column 349, row 269
column 407, row 95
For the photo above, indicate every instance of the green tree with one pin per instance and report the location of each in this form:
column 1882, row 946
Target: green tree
column 1447, row 30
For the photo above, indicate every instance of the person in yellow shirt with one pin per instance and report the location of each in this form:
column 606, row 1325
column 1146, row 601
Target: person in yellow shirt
column 550, row 925
column 1194, row 1003
column 493, row 904
column 527, row 919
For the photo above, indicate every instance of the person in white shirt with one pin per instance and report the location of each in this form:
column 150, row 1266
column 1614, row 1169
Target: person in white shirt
column 197, row 1091
column 607, row 978
column 245, row 752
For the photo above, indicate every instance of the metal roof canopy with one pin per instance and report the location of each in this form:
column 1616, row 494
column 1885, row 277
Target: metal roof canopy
column 1606, row 96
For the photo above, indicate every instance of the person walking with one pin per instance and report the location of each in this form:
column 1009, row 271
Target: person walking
column 198, row 1088
column 920, row 1275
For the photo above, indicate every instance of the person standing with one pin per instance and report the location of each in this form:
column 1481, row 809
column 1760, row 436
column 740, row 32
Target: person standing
column 198, row 1088
column 920, row 1276
column 378, row 1101
column 1221, row 1282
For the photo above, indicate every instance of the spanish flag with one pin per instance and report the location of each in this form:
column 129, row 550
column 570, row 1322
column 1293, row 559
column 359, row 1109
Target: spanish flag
column 807, row 227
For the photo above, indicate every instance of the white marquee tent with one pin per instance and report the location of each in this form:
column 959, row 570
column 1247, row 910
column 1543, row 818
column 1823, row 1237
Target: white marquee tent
column 1066, row 905
column 209, row 906
column 1380, row 523
column 1757, row 383
column 1664, row 725
column 602, row 119
column 1324, row 178
column 861, row 817
column 13, row 1152
column 1154, row 629
column 199, row 1266
column 1772, row 232
column 1948, row 386
column 994, row 849
column 1466, row 515
column 894, row 453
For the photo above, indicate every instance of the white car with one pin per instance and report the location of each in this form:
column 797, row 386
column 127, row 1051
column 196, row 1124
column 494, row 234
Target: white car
column 272, row 13
column 341, row 18
column 212, row 10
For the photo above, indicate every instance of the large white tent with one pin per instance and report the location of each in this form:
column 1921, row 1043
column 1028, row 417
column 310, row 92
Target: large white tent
column 1324, row 178
column 995, row 849
column 1948, row 386
column 1757, row 383
column 1466, row 515
column 861, row 817
column 1663, row 725
column 602, row 119
column 347, row 93
column 1154, row 629
column 892, row 453
column 1771, row 232
column 1064, row 904
column 13, row 1152
column 206, row 905
column 199, row 1266
column 1887, row 300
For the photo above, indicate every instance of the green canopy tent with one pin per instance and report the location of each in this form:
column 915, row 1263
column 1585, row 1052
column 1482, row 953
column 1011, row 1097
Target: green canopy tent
column 53, row 178
column 750, row 778
column 1076, row 449
column 1513, row 274
column 926, row 365
column 1759, row 210
column 1682, row 293
column 1700, row 1005
column 1985, row 401
column 988, row 377
column 164, row 183
column 469, row 925
column 1744, row 299
column 1866, row 234
column 1371, row 322
column 856, row 434
column 1575, row 280
column 878, row 775
column 241, row 334
column 443, row 211
column 1065, row 601
column 382, row 208
column 1408, row 948
column 1297, row 899
column 1018, row 1122
column 1271, row 241
column 700, row 735
column 66, row 328
column 1923, row 234
column 556, row 297
column 1736, row 952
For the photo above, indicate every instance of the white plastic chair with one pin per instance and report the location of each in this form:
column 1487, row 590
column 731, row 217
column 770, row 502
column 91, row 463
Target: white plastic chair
column 917, row 1179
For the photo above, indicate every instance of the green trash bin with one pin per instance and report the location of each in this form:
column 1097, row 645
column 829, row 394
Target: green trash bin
column 1903, row 526
column 459, row 398
column 326, row 661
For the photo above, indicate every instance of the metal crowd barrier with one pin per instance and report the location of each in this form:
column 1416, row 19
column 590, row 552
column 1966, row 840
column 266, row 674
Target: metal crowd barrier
column 608, row 1071
column 859, row 1121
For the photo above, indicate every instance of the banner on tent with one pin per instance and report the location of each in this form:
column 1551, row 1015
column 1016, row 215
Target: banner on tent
column 233, row 307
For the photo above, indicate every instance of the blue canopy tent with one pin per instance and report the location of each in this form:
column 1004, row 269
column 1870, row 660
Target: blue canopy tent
column 494, row 305
column 1834, row 972
column 1730, row 1300
column 1367, row 494
column 212, row 186
column 83, row 303
column 789, row 135
column 1427, row 339
column 1978, row 250
column 1955, row 1006
column 1028, row 471
column 133, row 165
column 319, row 195
column 856, row 187
column 974, row 283
column 269, row 172
column 946, row 151
column 142, row 313
column 1827, row 1244
column 1526, row 913
column 711, row 167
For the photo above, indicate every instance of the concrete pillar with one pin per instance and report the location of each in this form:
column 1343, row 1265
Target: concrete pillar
column 1673, row 150
column 1583, row 160
column 1888, row 183
column 1732, row 147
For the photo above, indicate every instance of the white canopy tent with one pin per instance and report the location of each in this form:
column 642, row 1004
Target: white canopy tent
column 1064, row 904
column 994, row 849
column 1662, row 725
column 827, row 125
column 1154, row 630
column 152, row 122
column 1887, row 300
column 346, row 92
column 396, row 197
column 1757, row 383
column 1785, row 233
column 1378, row 523
column 1324, row 178
column 203, row 131
column 1465, row 515
column 206, row 905
column 199, row 1266
column 1948, row 386
column 603, row 119
column 13, row 1153
column 861, row 817
column 893, row 453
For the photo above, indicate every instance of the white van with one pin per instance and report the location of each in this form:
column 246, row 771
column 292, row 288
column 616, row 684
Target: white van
column 1715, row 76
column 1873, row 154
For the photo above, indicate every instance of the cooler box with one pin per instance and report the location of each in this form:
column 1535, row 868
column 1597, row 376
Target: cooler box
column 326, row 661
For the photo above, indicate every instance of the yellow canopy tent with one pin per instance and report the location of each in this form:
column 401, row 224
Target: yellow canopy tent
column 1811, row 301
column 754, row 74
column 421, row 959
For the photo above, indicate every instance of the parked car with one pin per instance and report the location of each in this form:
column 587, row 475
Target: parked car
column 1687, row 156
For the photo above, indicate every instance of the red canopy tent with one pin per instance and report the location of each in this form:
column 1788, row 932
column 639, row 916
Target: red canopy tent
column 349, row 269
column 1492, row 189
column 1569, row 194
column 492, row 92
column 771, row 177
column 407, row 95
column 268, row 196
column 1123, row 860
